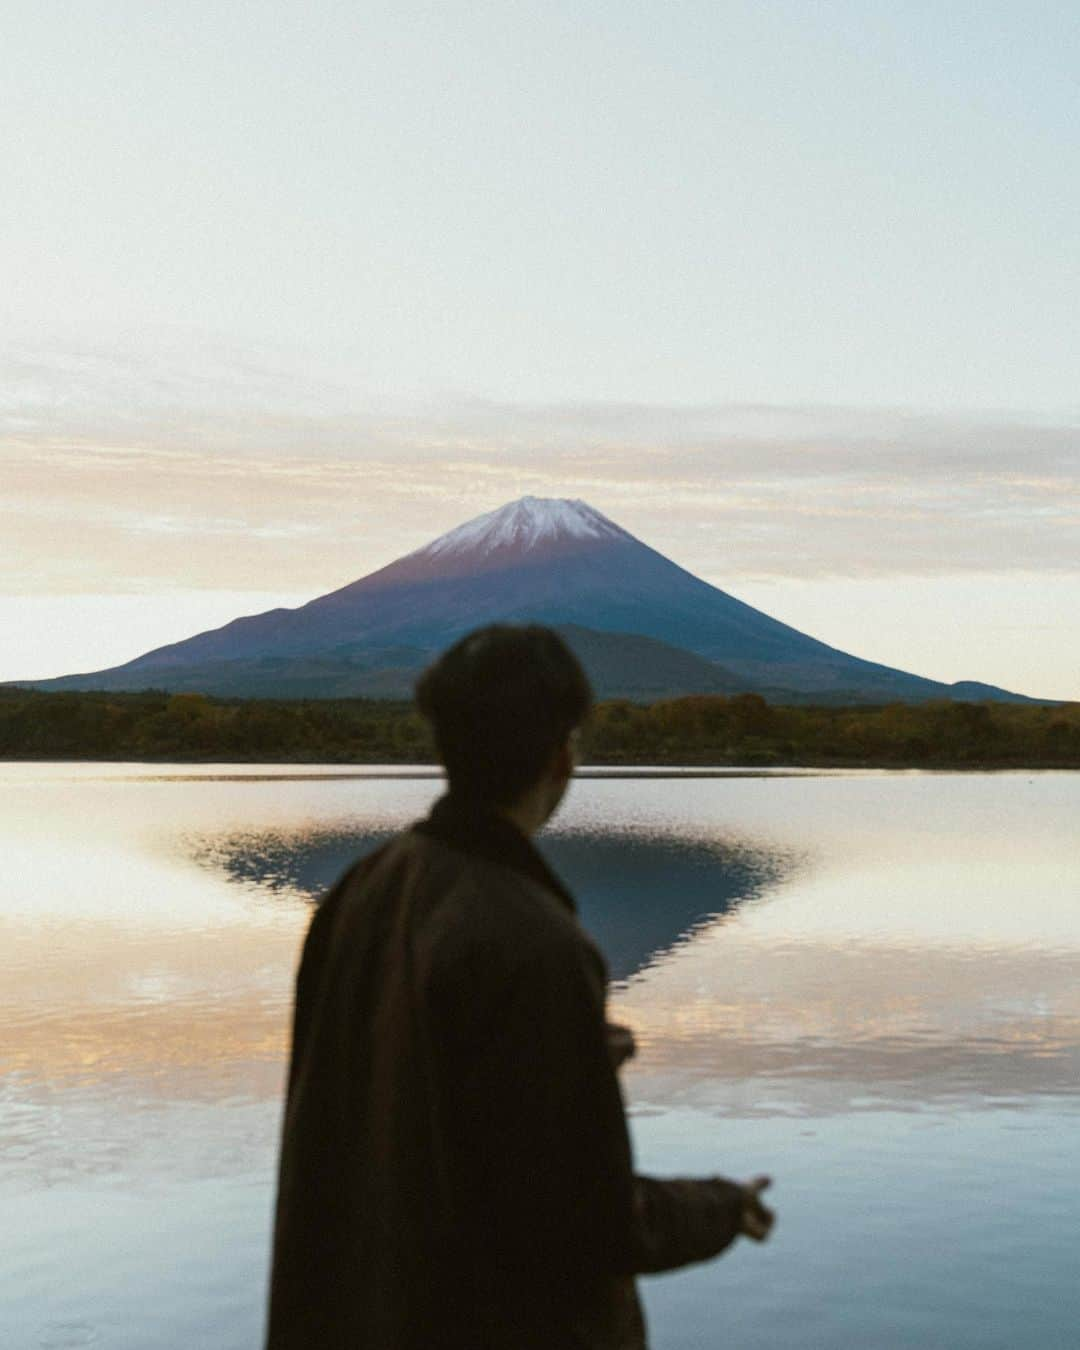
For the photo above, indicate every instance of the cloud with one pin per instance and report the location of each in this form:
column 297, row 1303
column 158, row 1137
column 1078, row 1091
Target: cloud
column 125, row 472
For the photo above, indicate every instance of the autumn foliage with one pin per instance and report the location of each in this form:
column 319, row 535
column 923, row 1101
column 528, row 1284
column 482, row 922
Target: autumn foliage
column 697, row 730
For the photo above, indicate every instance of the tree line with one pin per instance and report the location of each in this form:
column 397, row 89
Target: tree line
column 695, row 730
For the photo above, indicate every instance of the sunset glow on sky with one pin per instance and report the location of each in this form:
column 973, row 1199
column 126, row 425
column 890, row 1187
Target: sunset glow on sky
column 790, row 292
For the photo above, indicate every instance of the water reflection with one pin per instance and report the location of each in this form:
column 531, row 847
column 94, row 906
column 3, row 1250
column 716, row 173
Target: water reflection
column 299, row 862
column 898, row 953
column 639, row 893
column 642, row 894
column 737, row 1026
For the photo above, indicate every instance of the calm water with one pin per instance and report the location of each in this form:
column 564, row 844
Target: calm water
column 865, row 984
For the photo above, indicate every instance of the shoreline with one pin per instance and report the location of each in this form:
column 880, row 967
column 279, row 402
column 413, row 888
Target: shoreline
column 650, row 768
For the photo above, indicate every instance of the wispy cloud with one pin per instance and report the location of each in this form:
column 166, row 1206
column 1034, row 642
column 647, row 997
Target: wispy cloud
column 125, row 473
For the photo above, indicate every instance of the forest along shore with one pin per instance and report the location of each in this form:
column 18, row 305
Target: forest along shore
column 698, row 730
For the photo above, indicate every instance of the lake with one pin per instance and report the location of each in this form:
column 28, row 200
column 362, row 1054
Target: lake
column 864, row 984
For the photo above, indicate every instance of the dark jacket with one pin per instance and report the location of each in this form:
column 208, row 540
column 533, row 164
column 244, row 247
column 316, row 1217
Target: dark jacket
column 456, row 1172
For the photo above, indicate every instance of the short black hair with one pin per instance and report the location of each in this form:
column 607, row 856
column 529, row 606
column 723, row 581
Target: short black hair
column 500, row 702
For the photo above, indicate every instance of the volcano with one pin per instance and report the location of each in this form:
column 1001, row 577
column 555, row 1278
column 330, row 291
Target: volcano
column 643, row 626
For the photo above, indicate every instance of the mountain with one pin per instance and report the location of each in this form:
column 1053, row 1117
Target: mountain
column 620, row 665
column 643, row 626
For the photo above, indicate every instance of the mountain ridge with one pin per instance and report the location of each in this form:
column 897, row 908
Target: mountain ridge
column 548, row 560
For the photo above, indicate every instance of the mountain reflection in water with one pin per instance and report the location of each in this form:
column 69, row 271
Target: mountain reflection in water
column 638, row 894
column 884, row 1014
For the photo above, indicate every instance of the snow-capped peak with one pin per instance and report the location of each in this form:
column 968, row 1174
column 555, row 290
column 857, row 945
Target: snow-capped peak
column 522, row 525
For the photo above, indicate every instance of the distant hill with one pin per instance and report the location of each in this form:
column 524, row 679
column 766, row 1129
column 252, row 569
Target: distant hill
column 643, row 627
column 619, row 665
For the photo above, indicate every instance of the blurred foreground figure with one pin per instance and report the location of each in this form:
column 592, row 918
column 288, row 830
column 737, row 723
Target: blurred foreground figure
column 455, row 1167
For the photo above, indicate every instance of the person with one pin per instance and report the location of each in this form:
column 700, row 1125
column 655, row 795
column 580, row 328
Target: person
column 455, row 1169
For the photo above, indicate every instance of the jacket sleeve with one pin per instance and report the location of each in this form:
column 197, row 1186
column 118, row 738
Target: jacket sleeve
column 680, row 1221
column 558, row 1182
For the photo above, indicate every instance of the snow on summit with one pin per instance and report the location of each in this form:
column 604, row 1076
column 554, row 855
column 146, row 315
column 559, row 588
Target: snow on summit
column 521, row 525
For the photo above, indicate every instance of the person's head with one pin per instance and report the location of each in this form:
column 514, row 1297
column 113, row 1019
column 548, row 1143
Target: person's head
column 502, row 703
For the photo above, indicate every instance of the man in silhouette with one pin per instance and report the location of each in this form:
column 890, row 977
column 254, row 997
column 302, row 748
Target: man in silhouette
column 456, row 1172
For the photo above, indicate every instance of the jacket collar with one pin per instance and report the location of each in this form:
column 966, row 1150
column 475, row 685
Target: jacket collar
column 474, row 827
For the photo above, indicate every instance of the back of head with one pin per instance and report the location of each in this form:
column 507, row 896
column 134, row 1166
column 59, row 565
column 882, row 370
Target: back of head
column 501, row 702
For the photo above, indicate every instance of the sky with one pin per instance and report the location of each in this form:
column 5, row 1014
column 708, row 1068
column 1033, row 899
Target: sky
column 789, row 290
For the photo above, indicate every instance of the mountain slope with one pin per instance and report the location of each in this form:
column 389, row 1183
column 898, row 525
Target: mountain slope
column 534, row 560
column 619, row 665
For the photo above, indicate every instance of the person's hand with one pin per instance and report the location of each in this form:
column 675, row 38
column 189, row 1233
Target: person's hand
column 757, row 1218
